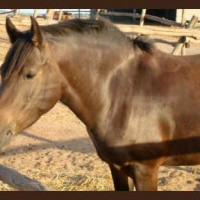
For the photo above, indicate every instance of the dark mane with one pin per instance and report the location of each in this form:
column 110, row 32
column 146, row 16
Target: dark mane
column 16, row 56
column 22, row 47
column 101, row 26
column 144, row 43
column 82, row 26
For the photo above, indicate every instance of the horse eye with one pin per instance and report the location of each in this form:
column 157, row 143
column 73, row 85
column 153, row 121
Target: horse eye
column 30, row 75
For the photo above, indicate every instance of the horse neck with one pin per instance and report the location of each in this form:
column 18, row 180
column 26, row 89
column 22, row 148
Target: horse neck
column 86, row 67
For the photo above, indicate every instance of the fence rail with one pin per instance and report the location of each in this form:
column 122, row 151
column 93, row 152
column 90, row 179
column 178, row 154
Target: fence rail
column 147, row 16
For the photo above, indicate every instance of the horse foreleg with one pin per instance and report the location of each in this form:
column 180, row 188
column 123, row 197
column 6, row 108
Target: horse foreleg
column 145, row 177
column 121, row 181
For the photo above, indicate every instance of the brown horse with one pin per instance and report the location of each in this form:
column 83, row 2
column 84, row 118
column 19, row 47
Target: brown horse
column 141, row 106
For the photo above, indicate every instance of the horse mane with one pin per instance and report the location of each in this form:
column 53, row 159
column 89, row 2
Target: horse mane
column 100, row 26
column 16, row 56
column 22, row 47
column 82, row 26
column 144, row 43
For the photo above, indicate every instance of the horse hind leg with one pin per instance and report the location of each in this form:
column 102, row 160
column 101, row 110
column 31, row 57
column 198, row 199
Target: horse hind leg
column 145, row 177
column 121, row 180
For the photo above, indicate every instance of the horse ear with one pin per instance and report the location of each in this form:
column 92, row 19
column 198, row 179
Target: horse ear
column 12, row 31
column 36, row 35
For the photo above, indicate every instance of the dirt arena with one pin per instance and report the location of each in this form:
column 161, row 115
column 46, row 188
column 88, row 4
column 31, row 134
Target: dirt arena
column 58, row 152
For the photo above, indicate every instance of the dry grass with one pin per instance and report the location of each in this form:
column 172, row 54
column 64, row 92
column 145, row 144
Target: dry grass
column 170, row 179
column 73, row 182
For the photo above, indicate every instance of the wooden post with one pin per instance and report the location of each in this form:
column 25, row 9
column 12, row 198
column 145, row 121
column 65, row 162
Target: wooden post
column 15, row 12
column 183, row 20
column 60, row 14
column 142, row 17
column 49, row 14
column 97, row 13
column 183, row 40
column 192, row 22
column 35, row 13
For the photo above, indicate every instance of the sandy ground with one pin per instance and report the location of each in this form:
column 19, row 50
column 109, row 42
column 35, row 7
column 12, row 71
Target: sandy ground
column 58, row 152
